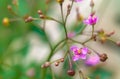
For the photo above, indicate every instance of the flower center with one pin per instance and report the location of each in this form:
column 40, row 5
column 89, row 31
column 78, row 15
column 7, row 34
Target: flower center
column 79, row 51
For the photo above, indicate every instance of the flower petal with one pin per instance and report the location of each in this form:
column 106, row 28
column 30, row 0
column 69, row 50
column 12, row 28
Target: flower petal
column 78, row 0
column 74, row 49
column 76, row 57
column 86, row 21
column 91, row 20
column 83, row 56
column 93, row 60
column 84, row 50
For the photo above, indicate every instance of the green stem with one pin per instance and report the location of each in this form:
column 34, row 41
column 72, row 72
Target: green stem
column 64, row 23
column 55, row 48
column 92, row 29
column 61, row 8
column 91, row 35
column 44, row 70
column 70, row 11
column 56, row 20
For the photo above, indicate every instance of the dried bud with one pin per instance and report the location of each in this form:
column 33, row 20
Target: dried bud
column 103, row 57
column 40, row 12
column 91, row 3
column 47, row 1
column 68, row 9
column 56, row 63
column 94, row 37
column 62, row 59
column 31, row 72
column 103, row 39
column 46, row 64
column 110, row 34
column 15, row 2
column 6, row 21
column 9, row 7
column 29, row 19
column 60, row 1
column 118, row 43
column 71, row 72
column 78, row 15
column 100, row 31
column 89, row 52
column 93, row 13
column 42, row 16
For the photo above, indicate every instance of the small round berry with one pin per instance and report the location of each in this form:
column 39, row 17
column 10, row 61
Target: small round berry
column 42, row 16
column 71, row 72
column 92, row 3
column 103, row 57
column 62, row 59
column 45, row 65
column 56, row 63
column 29, row 19
column 40, row 12
column 9, row 7
column 118, row 43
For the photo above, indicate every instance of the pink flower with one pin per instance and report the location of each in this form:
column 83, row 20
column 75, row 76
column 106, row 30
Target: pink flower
column 79, row 53
column 78, row 0
column 91, row 20
column 93, row 60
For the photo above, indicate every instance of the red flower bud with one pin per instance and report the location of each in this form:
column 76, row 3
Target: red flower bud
column 45, row 65
column 103, row 57
column 62, row 59
column 56, row 63
column 71, row 72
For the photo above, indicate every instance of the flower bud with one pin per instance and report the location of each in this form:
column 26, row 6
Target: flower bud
column 42, row 16
column 94, row 37
column 68, row 9
column 40, row 12
column 62, row 59
column 56, row 63
column 47, row 1
column 9, row 7
column 46, row 64
column 29, row 19
column 118, row 43
column 31, row 72
column 93, row 13
column 6, row 21
column 60, row 1
column 71, row 72
column 103, row 39
column 92, row 3
column 110, row 34
column 15, row 2
column 103, row 57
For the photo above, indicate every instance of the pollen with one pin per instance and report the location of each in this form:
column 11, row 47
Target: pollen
column 79, row 51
